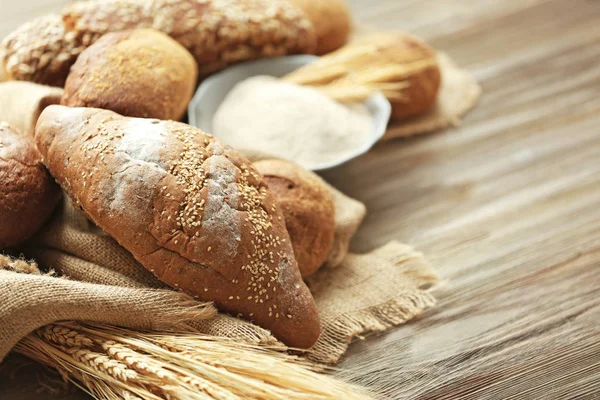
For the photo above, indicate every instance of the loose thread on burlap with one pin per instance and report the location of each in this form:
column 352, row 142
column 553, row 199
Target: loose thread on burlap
column 19, row 265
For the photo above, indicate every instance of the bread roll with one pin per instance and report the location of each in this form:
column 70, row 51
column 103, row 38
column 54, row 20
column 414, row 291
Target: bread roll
column 332, row 22
column 138, row 73
column 216, row 32
column 423, row 84
column 308, row 210
column 28, row 193
column 190, row 209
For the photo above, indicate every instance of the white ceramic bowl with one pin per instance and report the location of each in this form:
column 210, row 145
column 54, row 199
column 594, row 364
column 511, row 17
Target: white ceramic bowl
column 213, row 91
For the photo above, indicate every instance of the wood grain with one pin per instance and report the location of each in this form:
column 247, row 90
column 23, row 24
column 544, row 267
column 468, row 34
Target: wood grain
column 507, row 207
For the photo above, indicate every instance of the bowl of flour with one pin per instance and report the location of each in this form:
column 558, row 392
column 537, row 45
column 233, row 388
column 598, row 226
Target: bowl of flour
column 247, row 107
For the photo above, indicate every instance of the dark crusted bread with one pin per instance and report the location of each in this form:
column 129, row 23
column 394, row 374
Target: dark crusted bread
column 28, row 193
column 308, row 210
column 216, row 32
column 190, row 209
column 138, row 73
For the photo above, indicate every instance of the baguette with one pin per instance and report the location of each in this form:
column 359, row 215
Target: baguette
column 216, row 32
column 190, row 209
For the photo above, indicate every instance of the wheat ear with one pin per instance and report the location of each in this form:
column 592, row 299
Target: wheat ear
column 110, row 362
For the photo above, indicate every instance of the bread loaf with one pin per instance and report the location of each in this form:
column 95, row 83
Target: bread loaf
column 216, row 32
column 400, row 66
column 332, row 22
column 28, row 193
column 190, row 209
column 423, row 84
column 40, row 51
column 138, row 73
column 308, row 210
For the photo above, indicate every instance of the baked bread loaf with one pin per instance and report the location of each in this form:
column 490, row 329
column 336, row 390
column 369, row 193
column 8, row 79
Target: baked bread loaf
column 308, row 210
column 405, row 69
column 138, row 73
column 190, row 209
column 424, row 83
column 41, row 51
column 332, row 22
column 216, row 32
column 28, row 193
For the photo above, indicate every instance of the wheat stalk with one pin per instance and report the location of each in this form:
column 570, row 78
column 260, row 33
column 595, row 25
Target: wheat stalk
column 357, row 71
column 110, row 362
column 65, row 336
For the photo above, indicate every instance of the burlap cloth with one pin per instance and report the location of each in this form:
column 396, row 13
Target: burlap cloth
column 458, row 94
column 21, row 103
column 365, row 293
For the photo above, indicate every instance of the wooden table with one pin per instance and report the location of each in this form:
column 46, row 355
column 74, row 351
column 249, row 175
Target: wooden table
column 506, row 207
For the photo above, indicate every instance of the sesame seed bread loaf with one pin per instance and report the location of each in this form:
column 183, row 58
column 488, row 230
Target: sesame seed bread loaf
column 332, row 22
column 216, row 32
column 28, row 193
column 190, row 209
column 307, row 208
column 138, row 73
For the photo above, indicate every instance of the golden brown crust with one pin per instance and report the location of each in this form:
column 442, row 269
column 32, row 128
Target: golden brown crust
column 189, row 208
column 216, row 32
column 308, row 210
column 138, row 73
column 40, row 51
column 28, row 193
column 421, row 94
column 332, row 22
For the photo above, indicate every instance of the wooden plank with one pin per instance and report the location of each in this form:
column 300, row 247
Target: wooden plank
column 506, row 208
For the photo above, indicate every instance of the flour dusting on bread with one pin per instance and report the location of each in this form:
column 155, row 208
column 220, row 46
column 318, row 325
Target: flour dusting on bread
column 145, row 140
column 190, row 209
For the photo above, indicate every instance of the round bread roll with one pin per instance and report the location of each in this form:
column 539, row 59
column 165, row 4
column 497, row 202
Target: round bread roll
column 138, row 73
column 28, row 193
column 331, row 20
column 423, row 84
column 307, row 208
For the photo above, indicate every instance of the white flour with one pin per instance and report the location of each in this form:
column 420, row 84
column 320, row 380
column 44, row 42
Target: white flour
column 290, row 121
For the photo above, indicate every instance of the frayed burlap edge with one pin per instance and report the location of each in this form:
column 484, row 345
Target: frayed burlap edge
column 415, row 296
column 339, row 333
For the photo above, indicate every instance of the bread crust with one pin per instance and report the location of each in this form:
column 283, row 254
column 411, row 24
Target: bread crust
column 216, row 32
column 40, row 51
column 424, row 84
column 190, row 209
column 28, row 194
column 307, row 208
column 332, row 22
column 138, row 73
